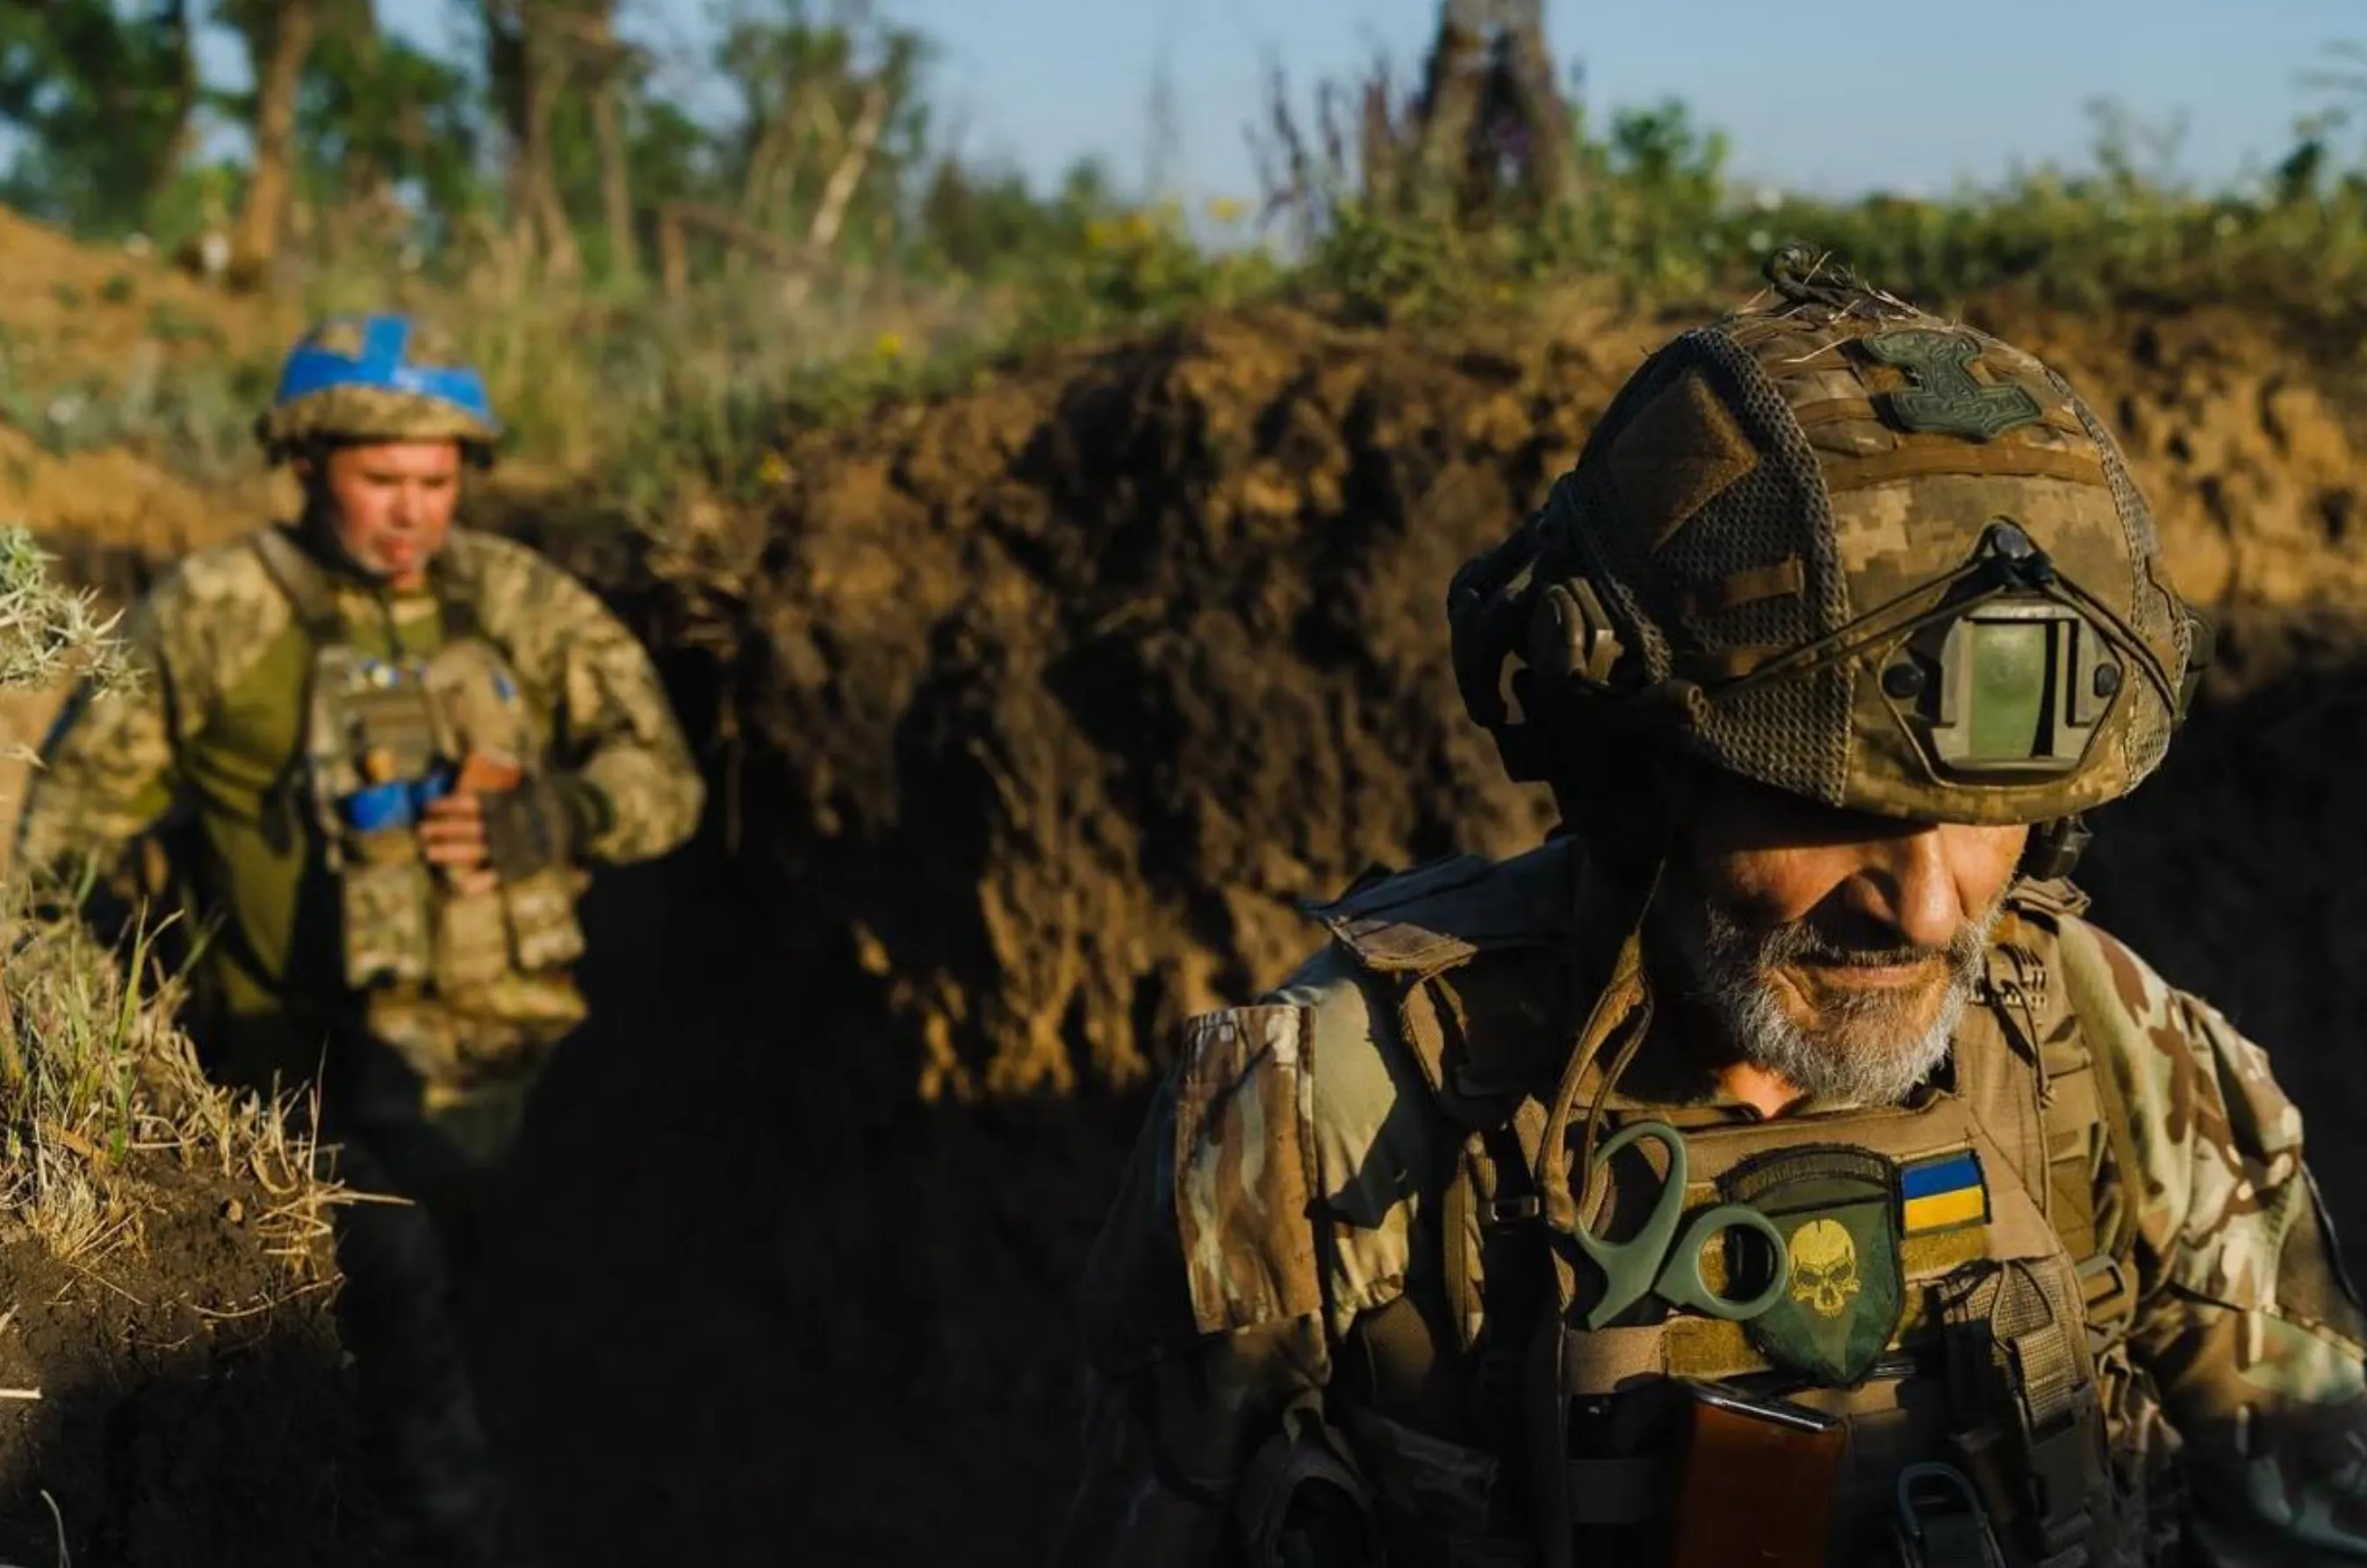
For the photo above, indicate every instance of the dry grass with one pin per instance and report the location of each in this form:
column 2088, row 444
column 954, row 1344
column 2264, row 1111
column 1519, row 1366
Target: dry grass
column 95, row 1080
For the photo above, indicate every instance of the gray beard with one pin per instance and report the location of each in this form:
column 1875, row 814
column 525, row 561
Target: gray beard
column 1855, row 1055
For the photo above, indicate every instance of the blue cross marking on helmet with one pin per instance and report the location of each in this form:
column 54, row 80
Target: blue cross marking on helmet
column 383, row 363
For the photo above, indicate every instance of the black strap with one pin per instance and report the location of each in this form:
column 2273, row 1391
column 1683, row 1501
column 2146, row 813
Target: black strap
column 452, row 577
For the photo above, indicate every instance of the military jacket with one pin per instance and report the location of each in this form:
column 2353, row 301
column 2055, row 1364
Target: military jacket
column 215, row 722
column 1288, row 1225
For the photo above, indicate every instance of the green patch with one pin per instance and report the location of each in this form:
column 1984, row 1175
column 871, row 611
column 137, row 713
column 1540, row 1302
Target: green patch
column 1945, row 399
column 1836, row 1209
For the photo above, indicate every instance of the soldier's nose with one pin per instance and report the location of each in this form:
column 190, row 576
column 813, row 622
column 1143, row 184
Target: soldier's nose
column 1906, row 883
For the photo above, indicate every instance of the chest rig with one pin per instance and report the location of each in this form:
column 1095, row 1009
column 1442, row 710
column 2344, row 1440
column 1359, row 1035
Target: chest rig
column 1952, row 1308
column 464, row 985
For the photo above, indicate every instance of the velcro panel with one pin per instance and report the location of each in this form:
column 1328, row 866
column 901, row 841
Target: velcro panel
column 1678, row 454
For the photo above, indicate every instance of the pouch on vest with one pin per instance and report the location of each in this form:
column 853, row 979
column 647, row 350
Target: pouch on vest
column 463, row 986
column 384, row 903
column 525, row 837
column 471, row 940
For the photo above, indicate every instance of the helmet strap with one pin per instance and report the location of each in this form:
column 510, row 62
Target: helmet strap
column 317, row 526
column 2055, row 848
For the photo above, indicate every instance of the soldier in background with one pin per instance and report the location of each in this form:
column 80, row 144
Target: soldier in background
column 393, row 745
column 1774, row 1166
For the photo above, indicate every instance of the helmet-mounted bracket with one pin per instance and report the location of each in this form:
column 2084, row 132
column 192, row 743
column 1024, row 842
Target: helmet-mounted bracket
column 1570, row 635
column 2011, row 681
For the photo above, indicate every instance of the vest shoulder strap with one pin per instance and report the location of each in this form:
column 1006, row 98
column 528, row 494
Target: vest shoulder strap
column 1424, row 932
column 456, row 579
column 308, row 590
column 1423, row 922
column 2091, row 1146
column 2027, row 1009
column 453, row 577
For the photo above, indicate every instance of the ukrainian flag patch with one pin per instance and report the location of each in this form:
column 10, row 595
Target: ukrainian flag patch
column 1944, row 1193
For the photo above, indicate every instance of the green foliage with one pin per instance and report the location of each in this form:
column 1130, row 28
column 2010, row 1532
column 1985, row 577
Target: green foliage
column 1651, row 213
column 825, row 248
column 377, row 109
column 198, row 420
column 103, row 96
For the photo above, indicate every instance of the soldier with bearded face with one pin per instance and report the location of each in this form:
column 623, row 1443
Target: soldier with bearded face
column 1775, row 1166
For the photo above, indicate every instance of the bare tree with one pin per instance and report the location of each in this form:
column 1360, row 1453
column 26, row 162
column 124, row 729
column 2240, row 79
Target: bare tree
column 616, row 174
column 1490, row 114
column 1486, row 130
column 175, row 21
column 602, row 67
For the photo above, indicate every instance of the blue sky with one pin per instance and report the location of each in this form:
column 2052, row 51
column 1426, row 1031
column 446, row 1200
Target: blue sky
column 1828, row 95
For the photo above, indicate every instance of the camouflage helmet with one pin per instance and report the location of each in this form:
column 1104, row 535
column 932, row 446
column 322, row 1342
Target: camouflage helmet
column 381, row 378
column 1847, row 550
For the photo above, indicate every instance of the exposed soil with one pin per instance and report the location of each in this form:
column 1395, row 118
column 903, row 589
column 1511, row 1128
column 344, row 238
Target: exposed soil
column 78, row 320
column 1045, row 704
column 193, row 1409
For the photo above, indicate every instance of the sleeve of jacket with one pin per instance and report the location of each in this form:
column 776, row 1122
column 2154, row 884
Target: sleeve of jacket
column 613, row 729
column 2247, row 1320
column 1203, row 1304
column 108, row 767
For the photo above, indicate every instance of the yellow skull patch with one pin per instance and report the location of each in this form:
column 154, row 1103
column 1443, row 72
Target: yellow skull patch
column 1824, row 1267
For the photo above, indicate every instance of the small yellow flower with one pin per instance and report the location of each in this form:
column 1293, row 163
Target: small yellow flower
column 1227, row 209
column 890, row 346
column 774, row 469
column 1138, row 227
column 1098, row 234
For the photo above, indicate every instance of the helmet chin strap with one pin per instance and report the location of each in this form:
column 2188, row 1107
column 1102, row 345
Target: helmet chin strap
column 2055, row 848
column 318, row 528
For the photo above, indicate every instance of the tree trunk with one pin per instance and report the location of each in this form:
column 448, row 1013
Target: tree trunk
column 831, row 211
column 280, row 41
column 525, row 61
column 1490, row 100
column 540, row 89
column 615, row 180
column 179, row 28
column 1536, row 93
column 1449, row 111
column 363, row 214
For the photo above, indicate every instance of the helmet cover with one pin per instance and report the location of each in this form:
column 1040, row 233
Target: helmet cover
column 379, row 378
column 1849, row 550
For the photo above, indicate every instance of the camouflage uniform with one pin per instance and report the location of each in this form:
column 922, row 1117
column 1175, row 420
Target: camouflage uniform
column 1335, row 1315
column 216, row 728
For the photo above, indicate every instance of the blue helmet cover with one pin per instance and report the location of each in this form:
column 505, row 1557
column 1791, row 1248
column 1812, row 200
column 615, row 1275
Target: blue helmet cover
column 382, row 363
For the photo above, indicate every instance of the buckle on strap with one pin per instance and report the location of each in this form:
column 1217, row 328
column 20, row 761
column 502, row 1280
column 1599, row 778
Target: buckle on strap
column 1942, row 1523
column 2105, row 1287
